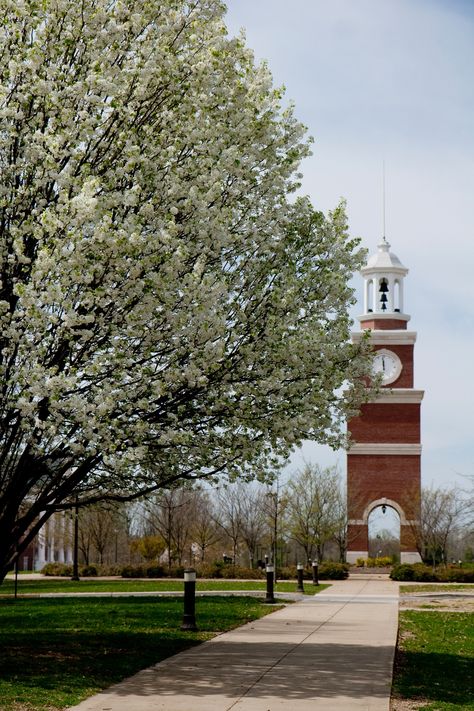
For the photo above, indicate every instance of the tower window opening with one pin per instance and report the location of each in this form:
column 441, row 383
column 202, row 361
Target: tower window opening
column 383, row 289
column 396, row 296
column 370, row 295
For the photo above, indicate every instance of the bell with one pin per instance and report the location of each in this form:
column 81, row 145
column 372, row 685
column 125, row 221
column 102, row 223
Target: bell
column 383, row 286
column 384, row 298
column 384, row 508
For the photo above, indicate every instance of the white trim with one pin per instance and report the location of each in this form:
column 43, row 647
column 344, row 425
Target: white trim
column 384, row 448
column 384, row 502
column 410, row 557
column 399, row 396
column 351, row 556
column 383, row 316
column 386, row 338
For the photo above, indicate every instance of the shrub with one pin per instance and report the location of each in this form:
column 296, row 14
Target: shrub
column 154, row 571
column 402, row 572
column 240, row 573
column 455, row 575
column 286, row 573
column 420, row 573
column 383, row 562
column 133, row 571
column 110, row 570
column 327, row 570
column 333, row 571
column 424, row 573
column 88, row 571
column 229, row 572
column 176, row 571
column 210, row 570
column 63, row 569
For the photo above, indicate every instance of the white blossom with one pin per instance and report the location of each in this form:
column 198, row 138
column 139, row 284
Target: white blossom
column 167, row 308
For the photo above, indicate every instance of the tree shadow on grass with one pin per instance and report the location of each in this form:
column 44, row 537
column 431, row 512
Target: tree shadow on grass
column 431, row 676
column 57, row 651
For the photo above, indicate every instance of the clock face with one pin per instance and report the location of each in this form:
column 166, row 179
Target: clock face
column 388, row 364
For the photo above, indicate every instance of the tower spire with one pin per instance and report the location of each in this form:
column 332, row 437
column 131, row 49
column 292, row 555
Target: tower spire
column 384, row 239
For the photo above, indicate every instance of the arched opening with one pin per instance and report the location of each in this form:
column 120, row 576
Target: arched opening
column 384, row 532
column 369, row 296
column 383, row 291
column 397, row 307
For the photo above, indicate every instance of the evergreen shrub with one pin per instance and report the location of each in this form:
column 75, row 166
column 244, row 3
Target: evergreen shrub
column 420, row 573
column 62, row 569
column 333, row 571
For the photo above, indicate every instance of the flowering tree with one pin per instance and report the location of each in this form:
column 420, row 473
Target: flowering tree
column 166, row 312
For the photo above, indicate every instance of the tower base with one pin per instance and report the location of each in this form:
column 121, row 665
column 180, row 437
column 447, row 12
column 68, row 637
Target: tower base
column 410, row 557
column 352, row 556
column 405, row 557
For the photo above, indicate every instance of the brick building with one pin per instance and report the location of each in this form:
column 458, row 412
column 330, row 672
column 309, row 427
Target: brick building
column 384, row 460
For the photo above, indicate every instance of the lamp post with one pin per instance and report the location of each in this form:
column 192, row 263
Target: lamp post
column 270, row 597
column 299, row 569
column 273, row 495
column 189, row 617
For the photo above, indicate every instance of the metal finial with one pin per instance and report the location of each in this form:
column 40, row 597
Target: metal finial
column 383, row 202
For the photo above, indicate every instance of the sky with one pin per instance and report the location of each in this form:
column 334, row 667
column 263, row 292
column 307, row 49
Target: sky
column 390, row 82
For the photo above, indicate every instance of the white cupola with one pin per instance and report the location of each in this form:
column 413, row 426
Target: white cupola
column 383, row 285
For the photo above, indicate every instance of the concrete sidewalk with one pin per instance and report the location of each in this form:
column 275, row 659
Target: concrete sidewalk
column 330, row 652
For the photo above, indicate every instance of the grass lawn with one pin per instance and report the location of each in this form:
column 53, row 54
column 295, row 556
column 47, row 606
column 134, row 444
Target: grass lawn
column 436, row 587
column 56, row 652
column 120, row 585
column 434, row 664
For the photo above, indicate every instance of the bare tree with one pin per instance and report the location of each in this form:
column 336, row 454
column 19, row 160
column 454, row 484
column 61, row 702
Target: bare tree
column 100, row 528
column 229, row 514
column 204, row 530
column 167, row 514
column 253, row 515
column 276, row 520
column 314, row 507
column 341, row 529
column 443, row 513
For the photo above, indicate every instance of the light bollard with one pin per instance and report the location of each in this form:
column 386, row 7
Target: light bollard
column 299, row 569
column 189, row 618
column 270, row 598
column 315, row 573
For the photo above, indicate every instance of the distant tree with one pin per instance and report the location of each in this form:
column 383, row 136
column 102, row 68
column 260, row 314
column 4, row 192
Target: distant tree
column 341, row 529
column 253, row 518
column 314, row 508
column 149, row 547
column 384, row 544
column 99, row 528
column 276, row 520
column 229, row 515
column 204, row 530
column 168, row 514
column 442, row 515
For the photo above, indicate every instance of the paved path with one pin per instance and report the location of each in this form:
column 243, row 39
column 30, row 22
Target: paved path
column 331, row 652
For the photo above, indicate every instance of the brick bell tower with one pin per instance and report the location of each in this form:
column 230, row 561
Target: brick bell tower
column 383, row 462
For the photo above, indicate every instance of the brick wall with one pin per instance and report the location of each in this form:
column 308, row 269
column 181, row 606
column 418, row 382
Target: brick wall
column 389, row 324
column 372, row 477
column 387, row 422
